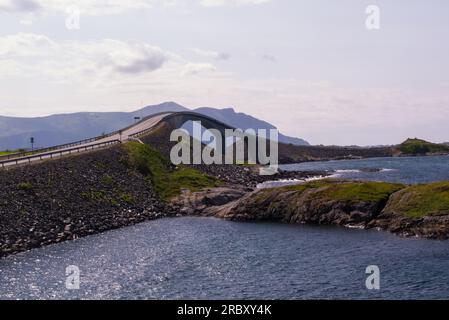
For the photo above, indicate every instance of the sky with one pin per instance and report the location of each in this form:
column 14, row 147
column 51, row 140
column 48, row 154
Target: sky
column 331, row 72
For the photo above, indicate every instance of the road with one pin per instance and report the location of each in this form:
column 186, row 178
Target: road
column 99, row 143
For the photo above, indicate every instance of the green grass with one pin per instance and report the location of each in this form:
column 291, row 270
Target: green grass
column 362, row 191
column 168, row 182
column 113, row 198
column 25, row 186
column 107, row 179
column 422, row 200
column 127, row 197
column 6, row 152
column 421, row 147
column 349, row 190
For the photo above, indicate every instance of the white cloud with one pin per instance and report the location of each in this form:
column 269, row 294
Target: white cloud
column 218, row 3
column 208, row 54
column 86, row 7
column 29, row 55
column 196, row 68
column 108, row 7
column 19, row 5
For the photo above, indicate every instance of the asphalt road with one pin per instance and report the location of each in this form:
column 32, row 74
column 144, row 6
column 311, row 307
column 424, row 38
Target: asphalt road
column 124, row 136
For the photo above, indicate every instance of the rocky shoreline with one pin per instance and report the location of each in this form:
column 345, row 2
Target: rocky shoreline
column 327, row 202
column 79, row 195
column 72, row 197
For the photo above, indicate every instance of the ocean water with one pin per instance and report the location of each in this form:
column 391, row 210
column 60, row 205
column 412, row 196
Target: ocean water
column 205, row 258
column 409, row 170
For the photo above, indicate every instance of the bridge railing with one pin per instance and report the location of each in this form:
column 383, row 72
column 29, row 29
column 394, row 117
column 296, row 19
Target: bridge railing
column 56, row 153
column 61, row 146
column 25, row 154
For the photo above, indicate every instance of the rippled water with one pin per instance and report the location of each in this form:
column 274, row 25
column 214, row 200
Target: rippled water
column 402, row 169
column 209, row 258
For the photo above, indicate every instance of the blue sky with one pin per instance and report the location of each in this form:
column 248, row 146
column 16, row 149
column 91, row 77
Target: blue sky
column 312, row 68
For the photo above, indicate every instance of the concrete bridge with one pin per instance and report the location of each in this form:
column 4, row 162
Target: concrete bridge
column 130, row 133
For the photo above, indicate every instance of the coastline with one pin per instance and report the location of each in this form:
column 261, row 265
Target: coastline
column 77, row 196
column 351, row 204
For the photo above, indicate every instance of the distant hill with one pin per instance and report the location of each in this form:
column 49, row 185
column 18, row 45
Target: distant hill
column 57, row 129
column 244, row 121
column 420, row 147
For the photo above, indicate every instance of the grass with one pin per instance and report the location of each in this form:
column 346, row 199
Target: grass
column 25, row 186
column 5, row 153
column 421, row 147
column 362, row 191
column 127, row 197
column 349, row 190
column 414, row 201
column 106, row 197
column 422, row 200
column 107, row 179
column 167, row 182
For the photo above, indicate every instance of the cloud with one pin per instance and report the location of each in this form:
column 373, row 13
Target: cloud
column 269, row 57
column 108, row 7
column 196, row 68
column 86, row 7
column 37, row 54
column 211, row 54
column 19, row 5
column 136, row 58
column 218, row 3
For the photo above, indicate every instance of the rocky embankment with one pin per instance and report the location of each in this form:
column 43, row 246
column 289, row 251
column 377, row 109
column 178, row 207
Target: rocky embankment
column 64, row 199
column 249, row 176
column 421, row 210
column 79, row 195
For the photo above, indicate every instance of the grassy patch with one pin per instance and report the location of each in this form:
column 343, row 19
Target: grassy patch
column 362, row 191
column 7, row 152
column 96, row 195
column 168, row 182
column 422, row 200
column 127, row 197
column 25, row 186
column 349, row 190
column 107, row 179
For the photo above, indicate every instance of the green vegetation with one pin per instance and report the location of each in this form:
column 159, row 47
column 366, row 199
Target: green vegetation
column 349, row 190
column 6, row 152
column 168, row 182
column 127, row 197
column 421, row 200
column 107, row 179
column 96, row 195
column 105, row 197
column 421, row 147
column 25, row 186
column 362, row 191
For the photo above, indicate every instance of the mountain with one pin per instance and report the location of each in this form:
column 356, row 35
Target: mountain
column 244, row 121
column 57, row 129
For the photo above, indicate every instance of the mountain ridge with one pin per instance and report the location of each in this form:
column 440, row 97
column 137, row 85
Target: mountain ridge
column 15, row 132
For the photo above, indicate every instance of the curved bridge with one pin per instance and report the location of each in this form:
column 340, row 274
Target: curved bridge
column 176, row 119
